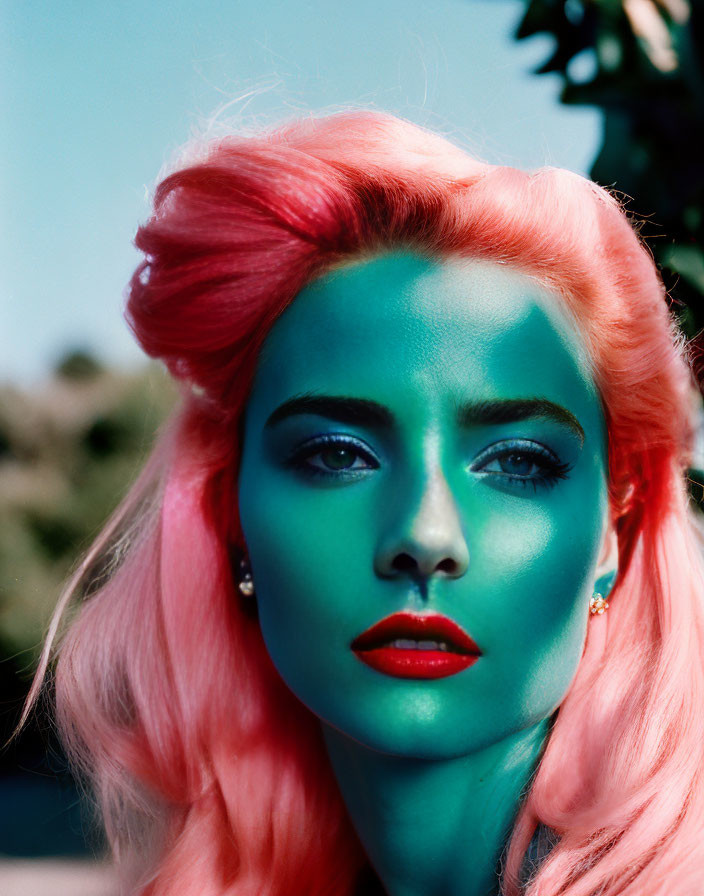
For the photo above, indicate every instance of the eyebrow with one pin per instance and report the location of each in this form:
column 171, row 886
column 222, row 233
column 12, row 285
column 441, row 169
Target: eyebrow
column 342, row 409
column 512, row 409
column 363, row 411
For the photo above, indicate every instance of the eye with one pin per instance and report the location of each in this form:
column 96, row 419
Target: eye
column 514, row 464
column 334, row 456
column 521, row 462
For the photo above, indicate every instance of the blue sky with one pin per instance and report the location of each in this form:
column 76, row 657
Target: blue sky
column 96, row 97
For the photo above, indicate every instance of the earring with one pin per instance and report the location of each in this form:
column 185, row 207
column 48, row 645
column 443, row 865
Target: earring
column 598, row 604
column 245, row 583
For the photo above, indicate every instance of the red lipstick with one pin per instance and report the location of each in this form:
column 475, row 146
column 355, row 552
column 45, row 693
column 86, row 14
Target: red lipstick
column 414, row 645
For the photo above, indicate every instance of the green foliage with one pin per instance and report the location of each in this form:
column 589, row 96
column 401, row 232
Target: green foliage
column 68, row 452
column 78, row 365
column 648, row 78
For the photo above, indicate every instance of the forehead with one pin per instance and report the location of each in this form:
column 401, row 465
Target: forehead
column 404, row 323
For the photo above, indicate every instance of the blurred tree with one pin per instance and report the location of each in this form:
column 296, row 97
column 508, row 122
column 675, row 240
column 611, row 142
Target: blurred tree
column 642, row 63
column 68, row 452
column 78, row 365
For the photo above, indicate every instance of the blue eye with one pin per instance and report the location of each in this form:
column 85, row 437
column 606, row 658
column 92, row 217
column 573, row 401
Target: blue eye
column 333, row 456
column 521, row 462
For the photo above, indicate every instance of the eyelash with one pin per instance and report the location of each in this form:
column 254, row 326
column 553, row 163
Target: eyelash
column 301, row 457
column 549, row 467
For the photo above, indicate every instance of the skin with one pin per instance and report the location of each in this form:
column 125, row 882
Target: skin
column 497, row 524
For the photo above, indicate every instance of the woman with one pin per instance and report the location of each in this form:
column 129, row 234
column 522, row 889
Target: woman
column 430, row 408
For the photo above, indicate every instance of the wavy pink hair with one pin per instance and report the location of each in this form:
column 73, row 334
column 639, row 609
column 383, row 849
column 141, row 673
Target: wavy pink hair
column 211, row 777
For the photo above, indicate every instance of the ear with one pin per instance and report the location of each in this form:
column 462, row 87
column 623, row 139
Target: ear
column 608, row 562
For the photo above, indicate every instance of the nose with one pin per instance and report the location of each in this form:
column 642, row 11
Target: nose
column 428, row 539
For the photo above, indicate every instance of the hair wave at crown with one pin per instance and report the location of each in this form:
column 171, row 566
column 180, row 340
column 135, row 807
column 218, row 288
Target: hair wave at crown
column 211, row 777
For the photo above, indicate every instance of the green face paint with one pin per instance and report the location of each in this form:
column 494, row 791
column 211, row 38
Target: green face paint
column 474, row 486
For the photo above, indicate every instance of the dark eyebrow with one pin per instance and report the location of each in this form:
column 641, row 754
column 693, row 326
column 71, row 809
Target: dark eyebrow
column 512, row 409
column 344, row 410
column 363, row 411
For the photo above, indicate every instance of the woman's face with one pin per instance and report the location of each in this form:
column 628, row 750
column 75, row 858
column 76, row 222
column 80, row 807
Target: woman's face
column 424, row 445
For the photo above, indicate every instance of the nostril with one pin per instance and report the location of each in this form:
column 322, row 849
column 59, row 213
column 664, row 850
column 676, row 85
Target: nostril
column 447, row 565
column 404, row 562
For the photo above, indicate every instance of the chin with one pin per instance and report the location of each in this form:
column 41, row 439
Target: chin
column 419, row 736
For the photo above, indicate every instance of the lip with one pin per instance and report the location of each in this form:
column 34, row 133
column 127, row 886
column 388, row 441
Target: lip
column 374, row 646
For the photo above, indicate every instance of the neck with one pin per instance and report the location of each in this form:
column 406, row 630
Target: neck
column 435, row 827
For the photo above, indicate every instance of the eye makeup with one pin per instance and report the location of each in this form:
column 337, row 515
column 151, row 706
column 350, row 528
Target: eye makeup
column 332, row 455
column 521, row 462
column 521, row 458
column 516, row 462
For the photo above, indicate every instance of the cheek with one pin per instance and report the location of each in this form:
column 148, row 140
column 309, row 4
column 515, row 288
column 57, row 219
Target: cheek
column 296, row 534
column 307, row 550
column 538, row 565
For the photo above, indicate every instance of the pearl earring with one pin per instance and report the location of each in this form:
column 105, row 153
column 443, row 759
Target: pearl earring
column 245, row 583
column 598, row 604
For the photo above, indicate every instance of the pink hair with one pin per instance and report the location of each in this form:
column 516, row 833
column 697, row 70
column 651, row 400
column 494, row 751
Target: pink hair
column 211, row 777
